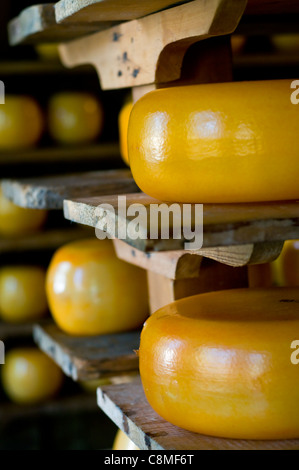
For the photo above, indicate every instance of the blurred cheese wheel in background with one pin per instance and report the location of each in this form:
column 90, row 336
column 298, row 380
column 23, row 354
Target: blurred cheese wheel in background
column 220, row 363
column 90, row 291
column 123, row 124
column 22, row 293
column 21, row 122
column 214, row 143
column 286, row 43
column 123, row 442
column 48, row 51
column 75, row 117
column 17, row 221
column 29, row 376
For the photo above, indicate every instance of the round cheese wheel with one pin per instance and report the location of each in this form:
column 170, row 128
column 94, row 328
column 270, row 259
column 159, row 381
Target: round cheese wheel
column 225, row 363
column 225, row 142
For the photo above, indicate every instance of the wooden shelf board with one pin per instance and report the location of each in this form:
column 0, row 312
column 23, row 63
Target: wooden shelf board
column 89, row 357
column 274, row 7
column 37, row 24
column 92, row 11
column 266, row 60
column 127, row 407
column 61, row 405
column 49, row 192
column 38, row 67
column 100, row 152
column 224, row 224
column 48, row 239
column 68, row 20
column 10, row 331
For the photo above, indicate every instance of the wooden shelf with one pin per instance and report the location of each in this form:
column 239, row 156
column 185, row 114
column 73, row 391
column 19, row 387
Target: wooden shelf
column 37, row 23
column 89, row 357
column 100, row 152
column 127, row 407
column 49, row 192
column 10, row 331
column 38, row 67
column 225, row 225
column 266, row 60
column 67, row 20
column 45, row 240
column 92, row 11
column 61, row 405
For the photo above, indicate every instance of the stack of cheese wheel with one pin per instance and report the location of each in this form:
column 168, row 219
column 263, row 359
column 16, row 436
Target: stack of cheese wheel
column 220, row 363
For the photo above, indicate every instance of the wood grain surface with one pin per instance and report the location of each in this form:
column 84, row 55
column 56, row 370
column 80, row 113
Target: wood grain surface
column 127, row 407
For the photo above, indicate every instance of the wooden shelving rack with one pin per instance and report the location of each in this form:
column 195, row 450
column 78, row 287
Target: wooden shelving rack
column 143, row 45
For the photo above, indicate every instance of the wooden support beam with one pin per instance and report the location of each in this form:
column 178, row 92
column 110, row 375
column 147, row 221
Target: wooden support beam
column 152, row 49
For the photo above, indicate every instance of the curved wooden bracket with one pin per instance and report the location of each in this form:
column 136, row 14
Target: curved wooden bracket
column 133, row 53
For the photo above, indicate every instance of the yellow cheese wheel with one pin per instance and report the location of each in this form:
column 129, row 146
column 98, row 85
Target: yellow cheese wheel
column 123, row 442
column 225, row 363
column 226, row 142
column 123, row 123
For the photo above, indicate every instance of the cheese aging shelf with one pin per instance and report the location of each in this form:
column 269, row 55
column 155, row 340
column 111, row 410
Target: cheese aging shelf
column 146, row 47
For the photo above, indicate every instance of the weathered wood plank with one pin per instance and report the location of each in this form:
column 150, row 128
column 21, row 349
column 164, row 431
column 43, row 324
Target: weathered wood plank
column 266, row 7
column 38, row 24
column 212, row 276
column 49, row 192
column 10, row 331
column 101, row 153
column 44, row 240
column 10, row 412
column 128, row 408
column 89, row 357
column 91, row 11
column 186, row 264
column 225, row 225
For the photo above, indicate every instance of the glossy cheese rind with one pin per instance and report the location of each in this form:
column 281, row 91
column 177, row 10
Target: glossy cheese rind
column 220, row 363
column 225, row 142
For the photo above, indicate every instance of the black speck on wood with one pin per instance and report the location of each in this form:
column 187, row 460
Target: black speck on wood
column 147, row 442
column 125, row 57
column 135, row 72
column 116, row 37
column 119, row 73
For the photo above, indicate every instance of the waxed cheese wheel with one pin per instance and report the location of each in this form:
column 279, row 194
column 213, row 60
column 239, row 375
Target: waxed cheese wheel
column 224, row 142
column 226, row 363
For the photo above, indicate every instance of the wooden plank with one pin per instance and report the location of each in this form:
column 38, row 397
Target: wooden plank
column 128, row 408
column 108, row 152
column 186, row 264
column 10, row 331
column 38, row 24
column 276, row 7
column 224, row 224
column 79, row 402
column 211, row 277
column 172, row 264
column 44, row 240
column 49, row 192
column 89, row 357
column 135, row 53
column 91, row 11
column 38, row 67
